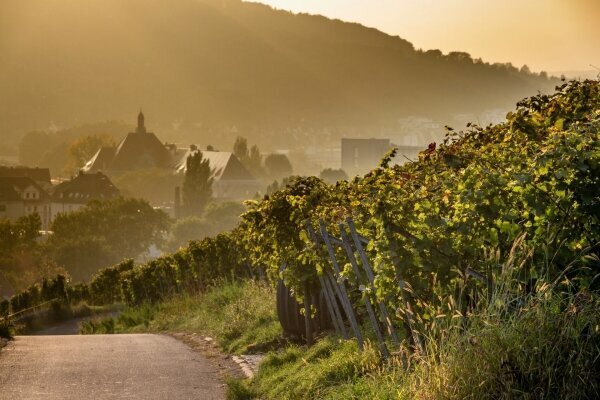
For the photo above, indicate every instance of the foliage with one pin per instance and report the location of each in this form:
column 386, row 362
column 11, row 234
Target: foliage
column 251, row 159
column 186, row 229
column 103, row 233
column 332, row 176
column 197, row 184
column 50, row 290
column 534, row 176
column 19, row 252
column 84, row 148
column 155, row 185
column 65, row 150
column 105, row 285
column 271, row 231
column 218, row 217
column 278, row 166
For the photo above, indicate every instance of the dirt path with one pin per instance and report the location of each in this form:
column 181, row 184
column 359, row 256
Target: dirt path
column 106, row 367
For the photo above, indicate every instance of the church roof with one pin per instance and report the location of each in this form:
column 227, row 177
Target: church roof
column 85, row 187
column 139, row 151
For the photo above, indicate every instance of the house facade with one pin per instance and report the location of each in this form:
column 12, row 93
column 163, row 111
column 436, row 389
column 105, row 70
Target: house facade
column 22, row 195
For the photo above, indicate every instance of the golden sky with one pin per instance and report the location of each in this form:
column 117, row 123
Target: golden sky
column 550, row 35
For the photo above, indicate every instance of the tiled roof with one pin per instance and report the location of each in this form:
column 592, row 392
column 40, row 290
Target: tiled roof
column 85, row 187
column 223, row 164
column 37, row 174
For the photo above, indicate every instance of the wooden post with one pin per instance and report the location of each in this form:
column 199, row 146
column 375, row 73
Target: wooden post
column 345, row 299
column 332, row 306
column 373, row 318
column 371, row 276
column 338, row 323
column 401, row 284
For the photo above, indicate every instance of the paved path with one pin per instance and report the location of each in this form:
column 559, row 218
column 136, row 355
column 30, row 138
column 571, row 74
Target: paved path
column 105, row 367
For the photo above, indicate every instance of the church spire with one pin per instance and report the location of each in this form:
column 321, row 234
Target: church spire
column 141, row 128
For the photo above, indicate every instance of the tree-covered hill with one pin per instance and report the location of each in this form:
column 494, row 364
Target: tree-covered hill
column 217, row 64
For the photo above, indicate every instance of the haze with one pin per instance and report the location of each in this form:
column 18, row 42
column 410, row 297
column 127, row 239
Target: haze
column 550, row 35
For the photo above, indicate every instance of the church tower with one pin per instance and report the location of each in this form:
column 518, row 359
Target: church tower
column 141, row 128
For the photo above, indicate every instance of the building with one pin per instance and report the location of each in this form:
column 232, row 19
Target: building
column 74, row 194
column 22, row 195
column 141, row 150
column 138, row 150
column 231, row 180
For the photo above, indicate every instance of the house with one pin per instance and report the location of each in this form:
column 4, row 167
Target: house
column 231, row 180
column 21, row 196
column 74, row 194
column 141, row 150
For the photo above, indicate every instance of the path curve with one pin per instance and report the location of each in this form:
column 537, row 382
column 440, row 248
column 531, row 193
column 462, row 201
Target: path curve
column 138, row 366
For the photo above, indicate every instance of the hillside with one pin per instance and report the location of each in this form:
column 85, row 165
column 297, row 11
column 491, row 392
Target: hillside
column 201, row 66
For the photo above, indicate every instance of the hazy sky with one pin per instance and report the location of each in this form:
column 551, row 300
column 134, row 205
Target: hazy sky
column 551, row 35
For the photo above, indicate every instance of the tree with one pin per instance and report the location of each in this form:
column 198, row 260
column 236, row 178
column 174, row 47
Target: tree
column 251, row 159
column 278, row 166
column 155, row 184
column 240, row 149
column 103, row 233
column 19, row 252
column 254, row 163
column 186, row 229
column 332, row 176
column 197, row 184
column 82, row 149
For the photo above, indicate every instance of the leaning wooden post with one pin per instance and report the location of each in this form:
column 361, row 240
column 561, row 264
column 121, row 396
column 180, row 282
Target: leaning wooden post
column 401, row 284
column 373, row 318
column 330, row 300
column 307, row 315
column 336, row 308
column 343, row 293
column 371, row 276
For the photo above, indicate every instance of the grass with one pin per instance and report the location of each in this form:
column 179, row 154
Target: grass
column 239, row 315
column 549, row 349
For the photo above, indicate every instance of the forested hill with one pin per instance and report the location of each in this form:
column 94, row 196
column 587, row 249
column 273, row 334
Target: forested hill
column 216, row 63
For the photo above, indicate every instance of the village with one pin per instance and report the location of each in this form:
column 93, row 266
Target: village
column 31, row 189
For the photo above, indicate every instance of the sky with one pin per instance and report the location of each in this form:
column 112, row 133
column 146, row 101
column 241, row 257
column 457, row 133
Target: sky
column 549, row 35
